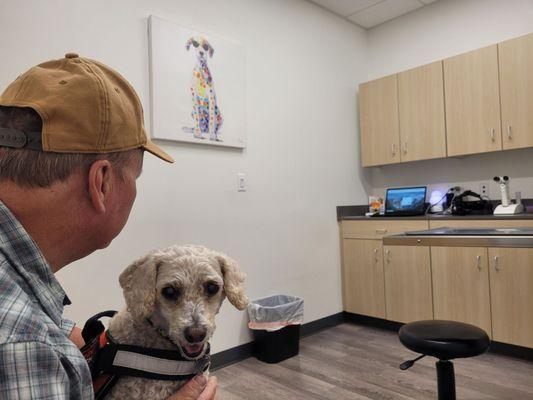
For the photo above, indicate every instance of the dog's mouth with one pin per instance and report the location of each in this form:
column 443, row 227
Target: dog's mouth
column 192, row 350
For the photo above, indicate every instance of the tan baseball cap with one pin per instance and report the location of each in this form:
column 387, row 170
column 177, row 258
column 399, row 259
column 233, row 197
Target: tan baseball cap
column 85, row 107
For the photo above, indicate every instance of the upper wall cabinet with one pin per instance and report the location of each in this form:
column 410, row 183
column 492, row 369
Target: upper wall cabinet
column 378, row 114
column 516, row 88
column 473, row 102
column 421, row 103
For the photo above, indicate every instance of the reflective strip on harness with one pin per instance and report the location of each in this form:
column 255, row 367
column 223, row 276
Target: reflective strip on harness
column 155, row 365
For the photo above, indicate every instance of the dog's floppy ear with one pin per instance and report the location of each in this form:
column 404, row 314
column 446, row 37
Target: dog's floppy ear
column 138, row 284
column 211, row 49
column 233, row 281
column 189, row 44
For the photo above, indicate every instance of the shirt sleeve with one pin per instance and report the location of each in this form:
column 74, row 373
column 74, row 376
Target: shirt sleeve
column 66, row 326
column 32, row 370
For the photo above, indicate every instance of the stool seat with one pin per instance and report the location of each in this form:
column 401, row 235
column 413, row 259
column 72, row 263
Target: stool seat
column 444, row 340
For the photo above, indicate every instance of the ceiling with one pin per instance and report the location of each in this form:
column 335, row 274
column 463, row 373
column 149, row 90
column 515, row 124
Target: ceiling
column 370, row 13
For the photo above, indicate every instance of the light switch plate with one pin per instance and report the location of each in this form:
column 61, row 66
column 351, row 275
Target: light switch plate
column 241, row 182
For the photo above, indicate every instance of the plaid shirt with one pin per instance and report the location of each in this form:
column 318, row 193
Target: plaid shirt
column 37, row 360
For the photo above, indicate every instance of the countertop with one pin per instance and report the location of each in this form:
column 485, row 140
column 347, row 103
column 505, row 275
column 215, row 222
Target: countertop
column 358, row 213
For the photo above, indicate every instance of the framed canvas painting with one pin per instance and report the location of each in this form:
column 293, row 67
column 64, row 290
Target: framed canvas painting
column 197, row 83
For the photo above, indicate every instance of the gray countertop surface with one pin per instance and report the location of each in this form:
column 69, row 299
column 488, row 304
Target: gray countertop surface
column 358, row 213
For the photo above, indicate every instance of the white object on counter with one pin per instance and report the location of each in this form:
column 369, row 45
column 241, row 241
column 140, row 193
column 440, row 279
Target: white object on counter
column 511, row 209
column 507, row 208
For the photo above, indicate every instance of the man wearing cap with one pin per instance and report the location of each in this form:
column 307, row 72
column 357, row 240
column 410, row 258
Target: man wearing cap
column 72, row 140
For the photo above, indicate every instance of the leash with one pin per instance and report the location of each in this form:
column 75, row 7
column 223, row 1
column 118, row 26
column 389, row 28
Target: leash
column 109, row 360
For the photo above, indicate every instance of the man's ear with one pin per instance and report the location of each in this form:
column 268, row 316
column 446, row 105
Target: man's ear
column 138, row 283
column 233, row 281
column 99, row 184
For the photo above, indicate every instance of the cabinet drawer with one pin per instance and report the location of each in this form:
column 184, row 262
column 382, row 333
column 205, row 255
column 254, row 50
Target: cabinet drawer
column 376, row 229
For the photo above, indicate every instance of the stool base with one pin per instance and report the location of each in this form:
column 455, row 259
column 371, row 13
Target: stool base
column 445, row 380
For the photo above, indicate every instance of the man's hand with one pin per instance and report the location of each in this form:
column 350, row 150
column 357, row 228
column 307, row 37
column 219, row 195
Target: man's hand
column 199, row 388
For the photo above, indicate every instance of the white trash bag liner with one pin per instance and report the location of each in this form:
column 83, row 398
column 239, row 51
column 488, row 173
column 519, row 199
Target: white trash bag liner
column 275, row 312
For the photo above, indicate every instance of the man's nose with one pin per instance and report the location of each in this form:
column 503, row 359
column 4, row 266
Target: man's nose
column 195, row 334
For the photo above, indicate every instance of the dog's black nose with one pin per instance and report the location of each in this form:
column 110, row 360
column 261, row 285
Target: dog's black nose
column 195, row 335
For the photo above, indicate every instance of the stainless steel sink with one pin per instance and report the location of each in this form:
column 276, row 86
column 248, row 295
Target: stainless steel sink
column 467, row 237
column 473, row 232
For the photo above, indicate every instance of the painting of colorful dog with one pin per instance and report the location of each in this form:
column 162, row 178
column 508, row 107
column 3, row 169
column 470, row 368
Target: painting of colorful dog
column 205, row 114
column 186, row 66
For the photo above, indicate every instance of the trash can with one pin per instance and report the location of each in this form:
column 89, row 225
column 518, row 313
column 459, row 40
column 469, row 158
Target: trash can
column 275, row 322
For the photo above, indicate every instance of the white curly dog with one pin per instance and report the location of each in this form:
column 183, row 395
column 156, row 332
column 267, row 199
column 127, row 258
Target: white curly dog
column 175, row 292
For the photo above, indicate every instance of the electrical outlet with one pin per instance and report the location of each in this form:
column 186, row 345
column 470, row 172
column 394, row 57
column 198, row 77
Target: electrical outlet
column 484, row 188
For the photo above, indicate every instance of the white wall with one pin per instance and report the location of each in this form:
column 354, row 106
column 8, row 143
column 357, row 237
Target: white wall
column 443, row 29
column 303, row 67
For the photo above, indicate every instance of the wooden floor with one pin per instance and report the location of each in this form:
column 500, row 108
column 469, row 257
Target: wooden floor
column 355, row 362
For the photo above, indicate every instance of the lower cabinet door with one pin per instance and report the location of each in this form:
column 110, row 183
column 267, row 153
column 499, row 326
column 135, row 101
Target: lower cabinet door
column 461, row 285
column 364, row 289
column 408, row 283
column 511, row 285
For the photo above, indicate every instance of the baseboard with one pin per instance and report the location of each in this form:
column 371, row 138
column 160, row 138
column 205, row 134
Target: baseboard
column 372, row 322
column 231, row 356
column 244, row 351
column 323, row 323
column 511, row 350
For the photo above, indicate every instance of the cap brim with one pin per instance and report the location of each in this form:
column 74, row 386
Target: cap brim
column 157, row 151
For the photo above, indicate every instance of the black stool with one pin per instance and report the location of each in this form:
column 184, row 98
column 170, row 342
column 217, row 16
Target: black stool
column 444, row 340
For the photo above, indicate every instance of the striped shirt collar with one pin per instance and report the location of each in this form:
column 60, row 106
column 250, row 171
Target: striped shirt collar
column 24, row 255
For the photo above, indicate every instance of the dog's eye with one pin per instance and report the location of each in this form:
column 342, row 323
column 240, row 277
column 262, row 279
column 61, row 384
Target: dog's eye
column 211, row 288
column 195, row 43
column 170, row 292
column 205, row 47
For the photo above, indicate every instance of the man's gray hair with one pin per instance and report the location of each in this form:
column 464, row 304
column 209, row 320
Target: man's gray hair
column 31, row 168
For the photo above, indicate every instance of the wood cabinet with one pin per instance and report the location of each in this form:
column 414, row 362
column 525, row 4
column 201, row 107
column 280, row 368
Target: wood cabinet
column 421, row 105
column 378, row 115
column 461, row 285
column 407, row 283
column 516, row 89
column 511, row 280
column 472, row 102
column 487, row 287
column 364, row 288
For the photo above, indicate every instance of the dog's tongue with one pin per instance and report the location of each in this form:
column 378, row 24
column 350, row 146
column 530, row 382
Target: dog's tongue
column 193, row 349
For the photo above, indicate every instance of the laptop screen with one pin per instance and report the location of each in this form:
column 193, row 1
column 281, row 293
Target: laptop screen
column 405, row 201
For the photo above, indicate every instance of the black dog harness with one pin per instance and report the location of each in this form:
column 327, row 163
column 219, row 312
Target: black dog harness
column 109, row 360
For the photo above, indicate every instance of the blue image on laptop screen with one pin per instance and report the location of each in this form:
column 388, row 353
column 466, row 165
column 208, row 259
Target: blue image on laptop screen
column 405, row 201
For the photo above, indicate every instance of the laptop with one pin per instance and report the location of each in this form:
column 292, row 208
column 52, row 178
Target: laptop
column 402, row 202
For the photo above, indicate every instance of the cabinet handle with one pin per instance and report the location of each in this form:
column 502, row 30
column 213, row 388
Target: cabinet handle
column 381, row 230
column 388, row 254
column 493, row 134
column 478, row 262
column 376, row 255
column 404, row 147
column 509, row 132
column 393, row 149
column 497, row 263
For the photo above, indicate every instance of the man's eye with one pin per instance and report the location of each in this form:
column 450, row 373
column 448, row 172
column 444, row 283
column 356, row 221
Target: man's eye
column 211, row 288
column 170, row 292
